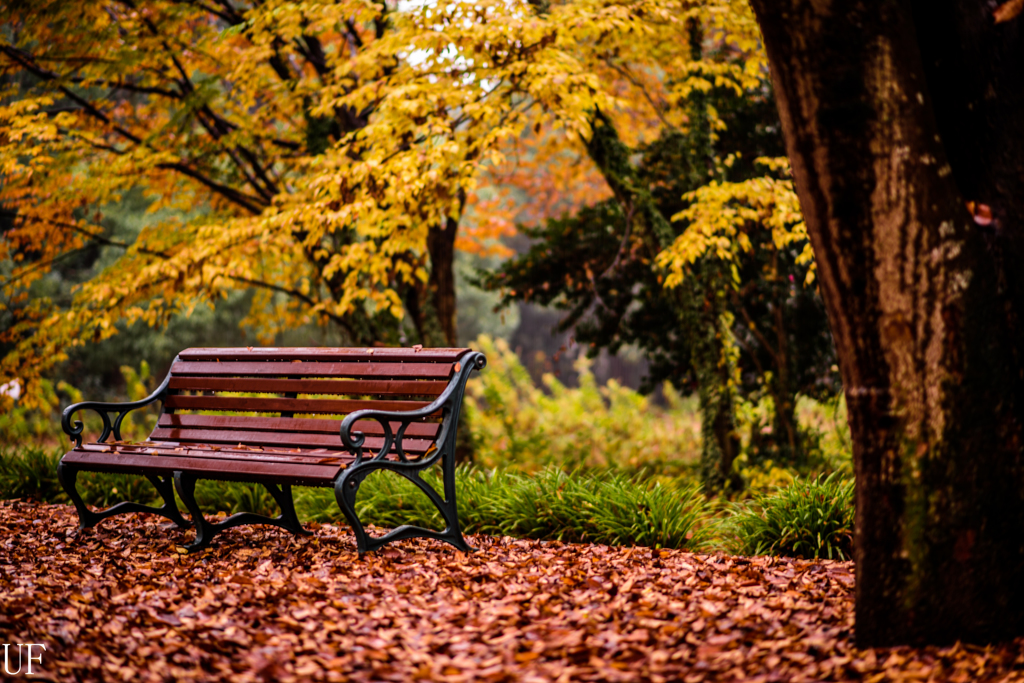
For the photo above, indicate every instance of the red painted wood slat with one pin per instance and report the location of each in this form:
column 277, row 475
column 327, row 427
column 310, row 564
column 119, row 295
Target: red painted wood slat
column 280, row 454
column 385, row 354
column 291, row 424
column 331, row 441
column 302, row 369
column 310, row 386
column 291, row 405
column 239, row 469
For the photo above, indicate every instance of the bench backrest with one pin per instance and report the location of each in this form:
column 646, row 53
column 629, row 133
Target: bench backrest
column 295, row 398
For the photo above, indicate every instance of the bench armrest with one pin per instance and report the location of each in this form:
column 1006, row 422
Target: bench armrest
column 103, row 410
column 449, row 400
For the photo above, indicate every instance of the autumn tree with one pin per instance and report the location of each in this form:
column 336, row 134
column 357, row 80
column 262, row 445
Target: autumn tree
column 331, row 147
column 902, row 122
column 211, row 106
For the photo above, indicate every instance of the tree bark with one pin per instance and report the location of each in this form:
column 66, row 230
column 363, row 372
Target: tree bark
column 894, row 119
column 441, row 282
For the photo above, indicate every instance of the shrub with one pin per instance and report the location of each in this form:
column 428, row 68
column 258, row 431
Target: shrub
column 517, row 424
column 609, row 508
column 31, row 472
column 811, row 518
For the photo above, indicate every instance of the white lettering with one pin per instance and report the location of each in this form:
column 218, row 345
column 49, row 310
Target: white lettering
column 7, row 660
column 30, row 657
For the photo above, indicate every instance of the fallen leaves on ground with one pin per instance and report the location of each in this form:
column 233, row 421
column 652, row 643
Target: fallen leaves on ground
column 117, row 603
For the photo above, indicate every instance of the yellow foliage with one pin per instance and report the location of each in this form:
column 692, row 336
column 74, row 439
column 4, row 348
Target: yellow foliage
column 722, row 213
column 305, row 148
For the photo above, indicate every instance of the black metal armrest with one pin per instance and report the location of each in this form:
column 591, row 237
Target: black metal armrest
column 103, row 410
column 450, row 398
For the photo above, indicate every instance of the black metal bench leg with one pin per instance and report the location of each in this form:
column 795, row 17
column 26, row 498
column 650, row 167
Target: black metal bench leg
column 68, row 477
column 345, row 490
column 165, row 486
column 288, row 518
column 87, row 518
column 205, row 530
column 347, row 486
column 186, row 487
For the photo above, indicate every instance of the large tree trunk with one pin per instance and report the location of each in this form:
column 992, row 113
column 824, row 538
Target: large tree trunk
column 891, row 128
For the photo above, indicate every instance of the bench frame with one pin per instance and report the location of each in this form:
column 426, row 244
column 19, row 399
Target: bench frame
column 346, row 485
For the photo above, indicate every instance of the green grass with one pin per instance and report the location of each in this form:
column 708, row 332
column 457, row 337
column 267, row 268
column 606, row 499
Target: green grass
column 810, row 518
column 31, row 472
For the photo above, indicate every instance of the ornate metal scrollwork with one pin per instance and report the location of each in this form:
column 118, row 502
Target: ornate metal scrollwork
column 347, row 485
column 104, row 410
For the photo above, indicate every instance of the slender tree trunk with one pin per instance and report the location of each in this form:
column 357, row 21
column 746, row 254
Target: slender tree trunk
column 891, row 127
column 786, row 432
column 441, row 282
column 440, row 328
column 706, row 333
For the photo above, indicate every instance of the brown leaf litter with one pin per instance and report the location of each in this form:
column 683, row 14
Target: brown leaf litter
column 117, row 603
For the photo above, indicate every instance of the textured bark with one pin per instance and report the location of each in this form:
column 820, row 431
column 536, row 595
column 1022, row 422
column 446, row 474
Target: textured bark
column 896, row 114
column 441, row 294
column 441, row 285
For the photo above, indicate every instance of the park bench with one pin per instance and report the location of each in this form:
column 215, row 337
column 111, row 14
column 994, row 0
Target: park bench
column 284, row 417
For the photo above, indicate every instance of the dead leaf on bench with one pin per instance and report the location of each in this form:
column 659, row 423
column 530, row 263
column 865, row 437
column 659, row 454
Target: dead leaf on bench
column 1008, row 10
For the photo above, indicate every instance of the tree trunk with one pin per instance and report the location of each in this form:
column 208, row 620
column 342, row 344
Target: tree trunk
column 441, row 282
column 439, row 329
column 706, row 332
column 785, row 434
column 891, row 127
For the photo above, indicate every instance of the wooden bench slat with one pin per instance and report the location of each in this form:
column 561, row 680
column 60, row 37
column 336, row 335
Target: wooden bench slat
column 323, row 354
column 311, row 386
column 239, row 468
column 426, row 430
column 332, row 441
column 321, row 406
column 281, row 454
column 328, row 369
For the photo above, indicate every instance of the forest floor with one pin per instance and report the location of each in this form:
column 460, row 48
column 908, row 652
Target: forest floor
column 119, row 603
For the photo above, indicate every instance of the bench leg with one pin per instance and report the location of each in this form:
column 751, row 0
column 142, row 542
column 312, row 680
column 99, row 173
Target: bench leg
column 205, row 530
column 347, row 486
column 87, row 518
